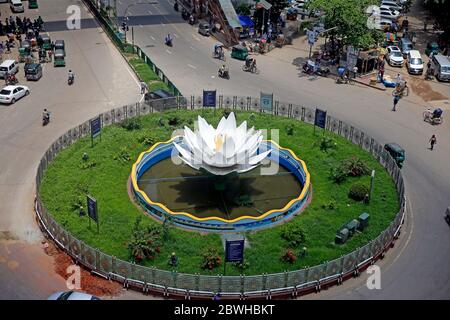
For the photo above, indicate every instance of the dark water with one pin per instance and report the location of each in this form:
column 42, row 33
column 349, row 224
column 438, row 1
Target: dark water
column 181, row 188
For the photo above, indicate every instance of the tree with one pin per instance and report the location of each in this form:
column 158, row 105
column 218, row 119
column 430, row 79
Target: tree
column 350, row 20
column 440, row 10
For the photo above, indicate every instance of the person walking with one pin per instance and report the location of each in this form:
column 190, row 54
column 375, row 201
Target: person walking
column 398, row 79
column 396, row 100
column 143, row 87
column 432, row 141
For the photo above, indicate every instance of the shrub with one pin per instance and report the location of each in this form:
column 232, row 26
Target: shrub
column 358, row 191
column 131, row 124
column 123, row 155
column 88, row 165
column 294, row 234
column 355, row 167
column 338, row 174
column 242, row 265
column 331, row 205
column 290, row 129
column 289, row 256
column 326, row 144
column 147, row 139
column 173, row 121
column 161, row 122
column 144, row 243
column 211, row 259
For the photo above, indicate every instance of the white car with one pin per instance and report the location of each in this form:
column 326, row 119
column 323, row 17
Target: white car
column 11, row 94
column 387, row 13
column 392, row 5
column 72, row 295
column 394, row 56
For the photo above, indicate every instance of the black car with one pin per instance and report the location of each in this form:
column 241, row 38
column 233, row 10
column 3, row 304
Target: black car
column 158, row 94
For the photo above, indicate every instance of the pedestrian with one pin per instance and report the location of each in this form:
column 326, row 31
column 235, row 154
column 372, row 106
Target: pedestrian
column 414, row 39
column 355, row 72
column 432, row 141
column 143, row 87
column 398, row 79
column 396, row 100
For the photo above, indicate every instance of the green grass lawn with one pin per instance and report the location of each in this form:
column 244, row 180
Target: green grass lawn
column 147, row 74
column 68, row 179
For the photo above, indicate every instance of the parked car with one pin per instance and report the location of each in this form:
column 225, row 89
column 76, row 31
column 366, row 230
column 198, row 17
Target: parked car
column 397, row 152
column 441, row 67
column 8, row 67
column 10, row 94
column 72, row 295
column 414, row 62
column 384, row 24
column 394, row 56
column 405, row 45
column 387, row 13
column 16, row 6
column 392, row 5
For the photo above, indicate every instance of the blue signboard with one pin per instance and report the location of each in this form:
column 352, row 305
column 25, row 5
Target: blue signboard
column 96, row 127
column 321, row 118
column 92, row 208
column 209, row 98
column 266, row 101
column 234, row 250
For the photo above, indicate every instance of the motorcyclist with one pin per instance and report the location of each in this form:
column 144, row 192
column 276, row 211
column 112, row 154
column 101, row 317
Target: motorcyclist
column 46, row 116
column 223, row 70
column 71, row 75
column 437, row 113
column 168, row 39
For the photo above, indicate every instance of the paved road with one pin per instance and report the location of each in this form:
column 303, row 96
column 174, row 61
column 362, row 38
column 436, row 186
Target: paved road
column 418, row 267
column 103, row 81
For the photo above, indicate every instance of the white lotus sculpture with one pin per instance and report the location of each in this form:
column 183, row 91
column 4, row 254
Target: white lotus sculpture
column 223, row 150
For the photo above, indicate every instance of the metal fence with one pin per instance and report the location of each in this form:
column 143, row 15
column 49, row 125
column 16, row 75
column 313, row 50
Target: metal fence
column 200, row 286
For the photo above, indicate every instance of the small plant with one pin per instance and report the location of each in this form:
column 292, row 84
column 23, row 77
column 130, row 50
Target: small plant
column 211, row 259
column 88, row 165
column 289, row 256
column 146, row 139
column 358, row 191
column 326, row 144
column 123, row 155
column 293, row 234
column 252, row 117
column 290, row 129
column 166, row 227
column 161, row 122
column 355, row 167
column 77, row 204
column 242, row 265
column 331, row 205
column 131, row 124
column 85, row 157
column 144, row 243
column 338, row 174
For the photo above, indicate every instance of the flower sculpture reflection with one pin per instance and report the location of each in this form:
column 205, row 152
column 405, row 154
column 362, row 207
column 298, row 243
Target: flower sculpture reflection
column 223, row 150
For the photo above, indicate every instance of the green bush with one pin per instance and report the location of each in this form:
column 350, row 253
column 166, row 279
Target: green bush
column 331, row 205
column 326, row 144
column 355, row 167
column 147, row 139
column 144, row 243
column 123, row 156
column 173, row 121
column 131, row 124
column 293, row 234
column 338, row 174
column 358, row 191
column 211, row 259
column 290, row 129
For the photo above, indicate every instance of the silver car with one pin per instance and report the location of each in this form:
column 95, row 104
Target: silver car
column 72, row 295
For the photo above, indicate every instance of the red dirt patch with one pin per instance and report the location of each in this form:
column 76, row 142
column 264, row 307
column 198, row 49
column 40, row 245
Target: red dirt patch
column 89, row 283
column 423, row 90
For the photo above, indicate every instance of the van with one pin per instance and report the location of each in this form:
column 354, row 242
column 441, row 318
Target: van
column 8, row 67
column 414, row 62
column 441, row 67
column 203, row 28
column 16, row 6
column 405, row 45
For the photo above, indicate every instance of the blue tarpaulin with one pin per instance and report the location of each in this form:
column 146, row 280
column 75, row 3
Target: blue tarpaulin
column 246, row 21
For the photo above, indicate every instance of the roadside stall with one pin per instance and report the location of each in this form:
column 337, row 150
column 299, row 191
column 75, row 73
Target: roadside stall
column 247, row 27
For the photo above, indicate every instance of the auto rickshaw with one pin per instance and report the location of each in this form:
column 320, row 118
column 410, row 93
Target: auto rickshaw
column 32, row 4
column 24, row 50
column 59, row 44
column 59, row 58
column 397, row 152
column 46, row 42
column 239, row 52
column 33, row 71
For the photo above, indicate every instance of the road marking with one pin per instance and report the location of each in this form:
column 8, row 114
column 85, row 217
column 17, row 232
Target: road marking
column 168, row 51
column 176, row 36
column 153, row 38
column 150, row 11
column 196, row 38
column 193, row 67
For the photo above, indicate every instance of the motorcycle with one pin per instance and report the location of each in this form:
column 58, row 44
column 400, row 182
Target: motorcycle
column 191, row 20
column 11, row 80
column 252, row 69
column 168, row 42
column 224, row 74
column 46, row 119
column 219, row 55
column 70, row 80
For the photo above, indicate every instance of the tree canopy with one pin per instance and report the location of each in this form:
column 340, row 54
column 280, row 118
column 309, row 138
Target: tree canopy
column 350, row 19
